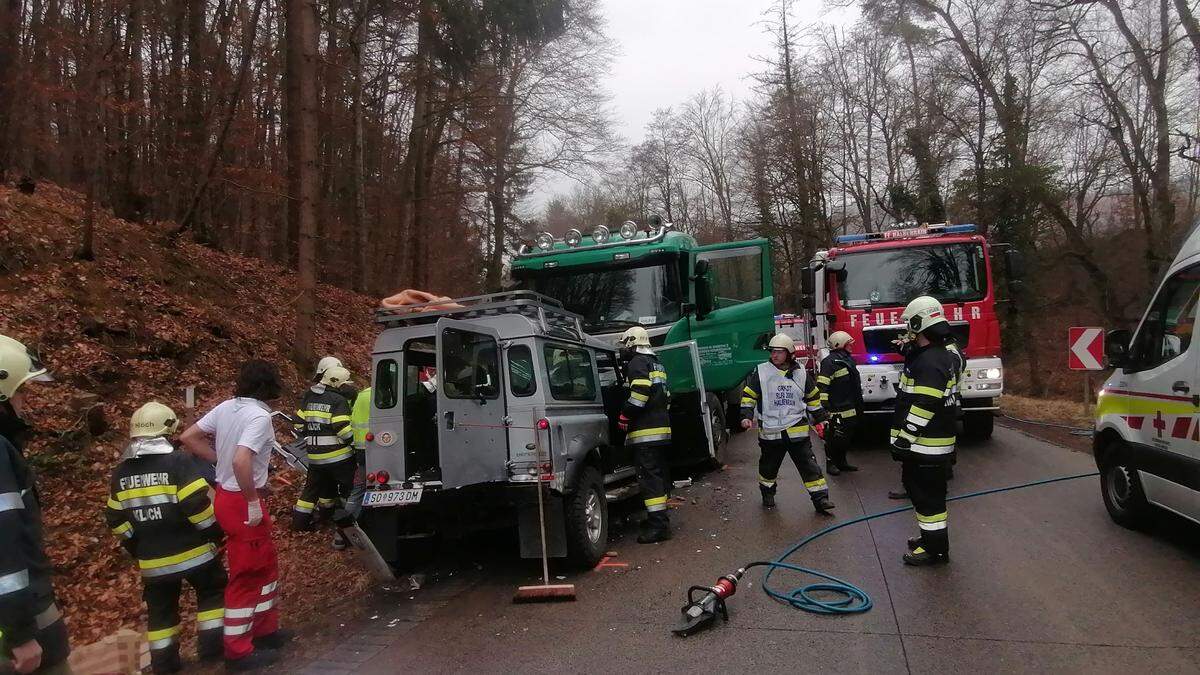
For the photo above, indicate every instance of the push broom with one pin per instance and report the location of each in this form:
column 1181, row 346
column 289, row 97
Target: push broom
column 546, row 591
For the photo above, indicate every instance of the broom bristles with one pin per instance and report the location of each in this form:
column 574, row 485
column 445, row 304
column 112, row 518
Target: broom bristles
column 545, row 593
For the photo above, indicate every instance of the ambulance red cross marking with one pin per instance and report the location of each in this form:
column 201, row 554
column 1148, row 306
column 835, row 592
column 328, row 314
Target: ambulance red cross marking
column 1159, row 423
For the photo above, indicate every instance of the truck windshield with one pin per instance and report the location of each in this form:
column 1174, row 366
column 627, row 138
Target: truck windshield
column 948, row 272
column 613, row 300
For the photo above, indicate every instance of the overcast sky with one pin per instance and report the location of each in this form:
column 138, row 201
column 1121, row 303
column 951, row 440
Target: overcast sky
column 671, row 49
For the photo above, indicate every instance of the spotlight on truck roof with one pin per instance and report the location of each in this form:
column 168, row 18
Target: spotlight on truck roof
column 628, row 229
column 545, row 241
column 573, row 237
column 601, row 234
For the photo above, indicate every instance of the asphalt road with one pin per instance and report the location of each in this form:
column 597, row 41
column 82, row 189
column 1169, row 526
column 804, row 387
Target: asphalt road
column 1041, row 581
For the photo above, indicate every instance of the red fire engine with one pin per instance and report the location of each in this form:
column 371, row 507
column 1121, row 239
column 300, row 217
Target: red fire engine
column 862, row 285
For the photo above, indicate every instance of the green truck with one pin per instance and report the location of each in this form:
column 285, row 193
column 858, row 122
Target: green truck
column 709, row 310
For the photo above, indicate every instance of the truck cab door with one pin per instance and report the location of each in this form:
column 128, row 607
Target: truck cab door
column 472, row 434
column 1158, row 394
column 693, row 436
column 736, row 310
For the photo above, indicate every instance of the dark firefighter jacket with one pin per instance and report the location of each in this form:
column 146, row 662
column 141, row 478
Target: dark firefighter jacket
column 326, row 428
column 925, row 421
column 841, row 389
column 159, row 508
column 648, row 405
column 25, row 590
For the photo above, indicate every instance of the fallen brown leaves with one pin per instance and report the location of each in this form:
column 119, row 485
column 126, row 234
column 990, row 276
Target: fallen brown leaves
column 143, row 322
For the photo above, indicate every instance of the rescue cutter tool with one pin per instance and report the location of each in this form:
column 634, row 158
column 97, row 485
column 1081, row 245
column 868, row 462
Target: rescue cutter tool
column 702, row 611
column 294, row 454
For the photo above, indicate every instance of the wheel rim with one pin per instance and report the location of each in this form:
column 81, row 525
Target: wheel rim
column 1120, row 485
column 718, row 432
column 593, row 517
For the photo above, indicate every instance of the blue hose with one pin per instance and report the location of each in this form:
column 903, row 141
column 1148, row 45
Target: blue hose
column 846, row 597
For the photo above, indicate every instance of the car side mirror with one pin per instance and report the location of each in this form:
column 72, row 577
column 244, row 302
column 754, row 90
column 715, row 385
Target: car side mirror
column 838, row 267
column 1116, row 348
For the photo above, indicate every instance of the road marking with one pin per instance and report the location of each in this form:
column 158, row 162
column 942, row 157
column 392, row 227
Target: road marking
column 604, row 563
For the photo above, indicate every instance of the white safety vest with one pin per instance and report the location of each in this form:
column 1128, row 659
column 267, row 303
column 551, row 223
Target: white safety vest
column 782, row 405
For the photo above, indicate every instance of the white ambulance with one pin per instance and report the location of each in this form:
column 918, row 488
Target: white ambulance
column 1147, row 427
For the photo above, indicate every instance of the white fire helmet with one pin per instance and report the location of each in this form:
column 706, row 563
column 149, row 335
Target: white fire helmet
column 635, row 337
column 325, row 364
column 18, row 365
column 922, row 313
column 782, row 341
column 335, row 377
column 839, row 340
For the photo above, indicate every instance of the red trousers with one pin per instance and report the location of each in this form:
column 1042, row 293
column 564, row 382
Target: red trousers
column 251, row 597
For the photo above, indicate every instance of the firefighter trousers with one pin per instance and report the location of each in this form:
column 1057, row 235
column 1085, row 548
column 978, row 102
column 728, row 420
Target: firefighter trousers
column 837, row 439
column 327, row 487
column 654, row 475
column 801, row 452
column 926, row 487
column 162, row 610
column 251, row 597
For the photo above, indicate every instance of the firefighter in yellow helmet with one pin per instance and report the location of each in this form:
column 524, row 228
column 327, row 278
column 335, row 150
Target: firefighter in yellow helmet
column 646, row 421
column 841, row 397
column 924, row 426
column 786, row 402
column 34, row 633
column 159, row 508
column 329, row 438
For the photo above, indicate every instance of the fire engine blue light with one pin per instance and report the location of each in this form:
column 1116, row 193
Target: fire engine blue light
column 848, row 238
column 873, row 358
column 965, row 228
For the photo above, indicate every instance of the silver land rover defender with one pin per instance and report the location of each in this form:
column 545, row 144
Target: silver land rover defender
column 472, row 405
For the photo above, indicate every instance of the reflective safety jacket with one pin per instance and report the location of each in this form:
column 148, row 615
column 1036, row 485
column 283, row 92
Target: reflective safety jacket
column 925, row 423
column 159, row 508
column 360, row 418
column 648, row 405
column 326, row 428
column 785, row 401
column 841, row 388
column 25, row 590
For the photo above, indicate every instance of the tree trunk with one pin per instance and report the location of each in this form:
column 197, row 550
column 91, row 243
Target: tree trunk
column 414, row 158
column 304, row 188
column 1190, row 24
column 10, row 32
column 362, row 240
column 189, row 219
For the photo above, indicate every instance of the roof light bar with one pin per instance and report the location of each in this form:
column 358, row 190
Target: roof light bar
column 907, row 233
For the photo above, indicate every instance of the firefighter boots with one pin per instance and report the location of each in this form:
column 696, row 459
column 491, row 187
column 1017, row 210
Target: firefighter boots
column 768, row 496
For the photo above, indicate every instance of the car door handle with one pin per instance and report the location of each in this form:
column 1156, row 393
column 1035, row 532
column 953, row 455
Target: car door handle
column 450, row 420
column 1180, row 387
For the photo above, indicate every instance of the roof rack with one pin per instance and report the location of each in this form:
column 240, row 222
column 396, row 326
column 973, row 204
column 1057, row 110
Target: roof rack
column 545, row 312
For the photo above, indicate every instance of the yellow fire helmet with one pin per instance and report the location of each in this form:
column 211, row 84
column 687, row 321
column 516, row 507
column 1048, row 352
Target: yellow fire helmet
column 153, row 419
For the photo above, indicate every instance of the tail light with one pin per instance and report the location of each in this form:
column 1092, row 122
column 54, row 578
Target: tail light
column 383, row 477
column 371, row 477
column 370, row 436
column 543, row 424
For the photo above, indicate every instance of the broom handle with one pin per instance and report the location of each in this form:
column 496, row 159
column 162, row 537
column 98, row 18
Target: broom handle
column 541, row 512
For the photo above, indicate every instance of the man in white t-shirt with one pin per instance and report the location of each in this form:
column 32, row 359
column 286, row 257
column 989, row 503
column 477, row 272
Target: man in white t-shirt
column 239, row 437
